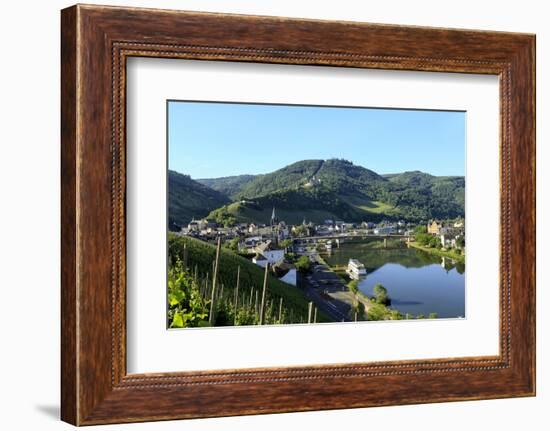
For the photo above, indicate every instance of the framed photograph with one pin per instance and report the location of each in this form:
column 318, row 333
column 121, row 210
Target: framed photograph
column 266, row 215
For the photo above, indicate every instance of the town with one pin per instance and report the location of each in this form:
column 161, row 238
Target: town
column 294, row 253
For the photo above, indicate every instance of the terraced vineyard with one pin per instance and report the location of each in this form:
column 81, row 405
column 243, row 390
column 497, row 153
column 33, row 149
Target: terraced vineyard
column 191, row 269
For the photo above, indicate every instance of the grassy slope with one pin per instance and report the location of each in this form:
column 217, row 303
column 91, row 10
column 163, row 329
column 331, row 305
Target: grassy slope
column 248, row 214
column 376, row 207
column 437, row 252
column 364, row 209
column 203, row 254
column 371, row 206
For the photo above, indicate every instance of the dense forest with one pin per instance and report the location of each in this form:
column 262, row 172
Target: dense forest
column 189, row 199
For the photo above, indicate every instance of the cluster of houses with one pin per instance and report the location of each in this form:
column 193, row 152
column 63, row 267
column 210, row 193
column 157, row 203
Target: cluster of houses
column 259, row 240
column 252, row 233
column 207, row 230
column 266, row 252
column 451, row 234
column 263, row 241
column 385, row 227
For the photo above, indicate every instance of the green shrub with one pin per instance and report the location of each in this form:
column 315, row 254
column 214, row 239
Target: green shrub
column 303, row 265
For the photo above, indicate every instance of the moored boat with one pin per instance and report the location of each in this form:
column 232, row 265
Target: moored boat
column 356, row 269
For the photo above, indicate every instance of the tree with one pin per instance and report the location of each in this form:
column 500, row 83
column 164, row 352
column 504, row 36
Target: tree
column 291, row 257
column 285, row 243
column 396, row 315
column 432, row 316
column 376, row 312
column 381, row 294
column 435, row 242
column 358, row 308
column 423, row 238
column 232, row 244
column 353, row 286
column 223, row 217
column 299, row 230
column 420, row 229
column 303, row 265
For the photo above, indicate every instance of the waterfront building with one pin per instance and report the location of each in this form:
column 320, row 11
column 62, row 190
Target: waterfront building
column 384, row 230
column 435, row 227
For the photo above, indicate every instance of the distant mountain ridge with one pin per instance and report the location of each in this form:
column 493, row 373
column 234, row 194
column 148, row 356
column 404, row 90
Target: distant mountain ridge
column 335, row 188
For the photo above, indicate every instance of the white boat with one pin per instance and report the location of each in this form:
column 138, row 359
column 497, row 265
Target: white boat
column 356, row 269
column 328, row 245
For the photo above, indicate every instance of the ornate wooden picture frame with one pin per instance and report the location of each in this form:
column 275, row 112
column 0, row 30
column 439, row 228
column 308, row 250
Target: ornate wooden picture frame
column 96, row 41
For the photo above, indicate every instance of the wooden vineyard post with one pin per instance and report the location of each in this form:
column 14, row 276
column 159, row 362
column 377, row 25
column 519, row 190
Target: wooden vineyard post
column 237, row 294
column 211, row 318
column 262, row 305
column 185, row 256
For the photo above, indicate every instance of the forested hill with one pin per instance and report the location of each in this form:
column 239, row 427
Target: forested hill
column 229, row 186
column 335, row 173
column 336, row 188
column 188, row 198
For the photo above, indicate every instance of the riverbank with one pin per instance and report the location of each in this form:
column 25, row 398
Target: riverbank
column 413, row 276
column 339, row 270
column 377, row 311
column 436, row 252
column 374, row 310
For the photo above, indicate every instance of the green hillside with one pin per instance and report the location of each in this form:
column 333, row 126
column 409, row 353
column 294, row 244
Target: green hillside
column 427, row 196
column 325, row 189
column 229, row 186
column 253, row 212
column 202, row 254
column 289, row 177
column 318, row 190
column 188, row 199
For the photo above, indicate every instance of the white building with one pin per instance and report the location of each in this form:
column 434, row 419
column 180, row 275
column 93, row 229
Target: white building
column 259, row 260
column 272, row 256
column 448, row 241
column 290, row 277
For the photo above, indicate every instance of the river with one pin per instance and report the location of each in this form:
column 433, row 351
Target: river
column 417, row 282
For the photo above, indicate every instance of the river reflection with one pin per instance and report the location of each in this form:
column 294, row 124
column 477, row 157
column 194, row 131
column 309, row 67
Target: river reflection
column 417, row 282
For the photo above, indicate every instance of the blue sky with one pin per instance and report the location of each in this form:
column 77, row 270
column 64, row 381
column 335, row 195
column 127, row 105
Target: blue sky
column 208, row 140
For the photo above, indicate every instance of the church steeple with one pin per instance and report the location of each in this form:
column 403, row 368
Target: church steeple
column 273, row 217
